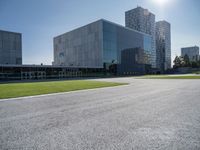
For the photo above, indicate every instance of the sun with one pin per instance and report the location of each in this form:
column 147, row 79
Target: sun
column 161, row 2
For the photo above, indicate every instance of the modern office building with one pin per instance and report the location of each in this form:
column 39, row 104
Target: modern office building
column 142, row 20
column 163, row 45
column 132, row 62
column 99, row 45
column 97, row 49
column 192, row 52
column 10, row 48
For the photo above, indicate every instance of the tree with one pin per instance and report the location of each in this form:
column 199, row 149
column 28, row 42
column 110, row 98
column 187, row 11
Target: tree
column 194, row 64
column 186, row 60
column 177, row 62
column 198, row 63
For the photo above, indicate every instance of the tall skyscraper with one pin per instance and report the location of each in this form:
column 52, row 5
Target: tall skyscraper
column 10, row 48
column 163, row 45
column 192, row 52
column 142, row 20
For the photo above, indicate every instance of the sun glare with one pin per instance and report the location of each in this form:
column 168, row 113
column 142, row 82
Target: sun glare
column 161, row 2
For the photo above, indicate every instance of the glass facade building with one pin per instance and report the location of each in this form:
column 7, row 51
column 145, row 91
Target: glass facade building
column 143, row 20
column 191, row 52
column 132, row 62
column 99, row 43
column 163, row 45
column 10, row 48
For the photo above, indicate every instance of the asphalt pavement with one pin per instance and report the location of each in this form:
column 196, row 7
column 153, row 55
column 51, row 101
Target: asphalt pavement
column 146, row 114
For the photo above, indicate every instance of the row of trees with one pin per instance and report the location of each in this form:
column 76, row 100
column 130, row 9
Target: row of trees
column 180, row 61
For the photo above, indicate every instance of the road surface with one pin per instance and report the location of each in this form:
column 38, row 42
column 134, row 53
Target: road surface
column 146, row 114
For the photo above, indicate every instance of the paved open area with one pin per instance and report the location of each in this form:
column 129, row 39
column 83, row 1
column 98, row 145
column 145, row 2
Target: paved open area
column 146, row 114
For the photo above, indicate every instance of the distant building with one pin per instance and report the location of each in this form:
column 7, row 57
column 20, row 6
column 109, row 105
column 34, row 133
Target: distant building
column 99, row 45
column 163, row 45
column 142, row 20
column 10, row 47
column 192, row 52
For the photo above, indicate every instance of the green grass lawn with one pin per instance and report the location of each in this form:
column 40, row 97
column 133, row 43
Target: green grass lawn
column 169, row 77
column 13, row 90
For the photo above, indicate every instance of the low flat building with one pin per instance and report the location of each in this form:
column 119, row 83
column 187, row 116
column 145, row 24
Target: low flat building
column 191, row 52
column 10, row 48
column 38, row 72
column 99, row 45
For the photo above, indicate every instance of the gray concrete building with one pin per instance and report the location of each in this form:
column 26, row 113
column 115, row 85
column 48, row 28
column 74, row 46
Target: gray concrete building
column 163, row 45
column 142, row 20
column 192, row 52
column 98, row 45
column 10, row 47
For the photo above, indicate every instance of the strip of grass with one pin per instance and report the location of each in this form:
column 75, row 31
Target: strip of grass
column 14, row 90
column 169, row 77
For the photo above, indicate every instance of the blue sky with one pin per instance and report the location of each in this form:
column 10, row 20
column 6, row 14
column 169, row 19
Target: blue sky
column 40, row 20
